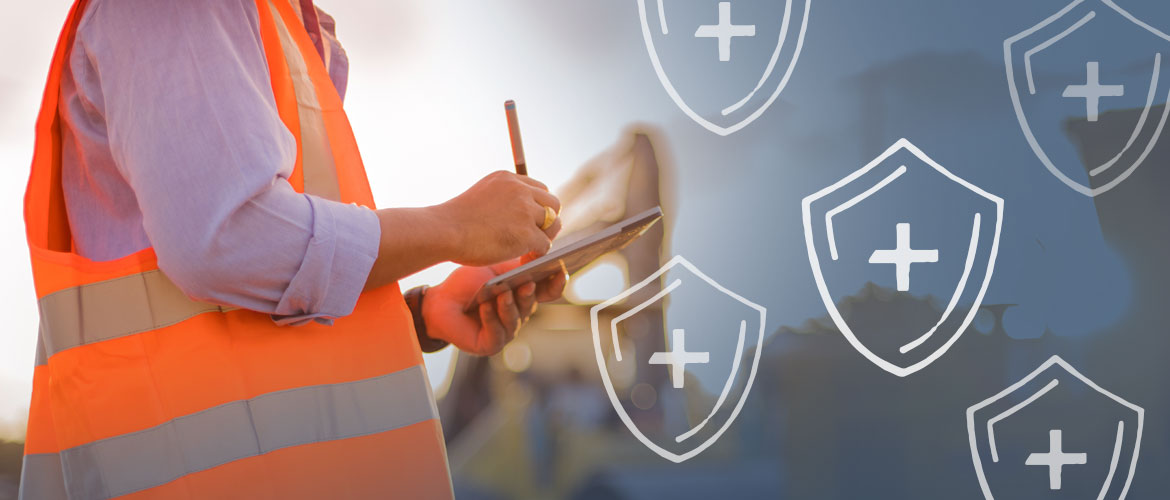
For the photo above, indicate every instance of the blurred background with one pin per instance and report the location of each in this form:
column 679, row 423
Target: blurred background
column 1084, row 278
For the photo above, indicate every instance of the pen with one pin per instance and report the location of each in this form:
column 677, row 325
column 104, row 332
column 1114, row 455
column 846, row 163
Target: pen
column 514, row 133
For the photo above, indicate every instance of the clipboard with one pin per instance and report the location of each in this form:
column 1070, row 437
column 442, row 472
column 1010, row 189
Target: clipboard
column 570, row 258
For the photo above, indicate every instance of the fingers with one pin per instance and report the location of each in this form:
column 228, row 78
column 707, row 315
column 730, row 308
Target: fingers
column 547, row 199
column 501, row 319
column 504, row 177
column 538, row 212
column 552, row 288
column 554, row 229
column 509, row 316
column 526, row 300
column 531, row 182
column 487, row 342
column 537, row 241
column 491, row 337
column 515, row 235
column 540, row 193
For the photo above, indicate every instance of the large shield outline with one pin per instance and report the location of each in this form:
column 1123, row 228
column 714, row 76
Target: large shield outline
column 743, row 337
column 961, row 286
column 980, row 429
column 770, row 77
column 1073, row 16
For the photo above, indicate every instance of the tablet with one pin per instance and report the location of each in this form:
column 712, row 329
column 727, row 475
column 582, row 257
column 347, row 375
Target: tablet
column 571, row 257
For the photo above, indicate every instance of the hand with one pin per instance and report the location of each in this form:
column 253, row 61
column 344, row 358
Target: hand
column 487, row 330
column 499, row 218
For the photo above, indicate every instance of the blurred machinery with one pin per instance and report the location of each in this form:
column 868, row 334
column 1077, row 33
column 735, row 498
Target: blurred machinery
column 535, row 423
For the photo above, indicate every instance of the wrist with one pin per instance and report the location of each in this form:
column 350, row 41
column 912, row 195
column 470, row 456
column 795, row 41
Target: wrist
column 416, row 302
column 428, row 231
column 427, row 312
column 446, row 237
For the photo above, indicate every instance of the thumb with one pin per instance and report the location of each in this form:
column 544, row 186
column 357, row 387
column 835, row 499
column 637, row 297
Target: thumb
column 528, row 257
column 538, row 245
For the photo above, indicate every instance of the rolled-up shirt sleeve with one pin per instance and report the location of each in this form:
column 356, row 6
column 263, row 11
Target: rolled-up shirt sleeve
column 193, row 127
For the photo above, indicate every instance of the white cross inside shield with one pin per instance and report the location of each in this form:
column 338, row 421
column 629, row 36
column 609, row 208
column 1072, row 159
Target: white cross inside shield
column 691, row 416
column 1090, row 86
column 918, row 239
column 723, row 62
column 1055, row 434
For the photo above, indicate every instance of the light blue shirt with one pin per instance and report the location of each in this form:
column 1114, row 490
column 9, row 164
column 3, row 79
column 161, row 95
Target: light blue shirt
column 171, row 139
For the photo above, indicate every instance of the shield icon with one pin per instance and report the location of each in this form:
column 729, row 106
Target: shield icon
column 1055, row 434
column 902, row 251
column 739, row 330
column 724, row 62
column 1090, row 87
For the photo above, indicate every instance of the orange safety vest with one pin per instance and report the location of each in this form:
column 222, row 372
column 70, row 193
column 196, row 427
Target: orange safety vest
column 141, row 392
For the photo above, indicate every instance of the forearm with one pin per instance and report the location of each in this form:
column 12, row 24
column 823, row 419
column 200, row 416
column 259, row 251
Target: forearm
column 496, row 220
column 412, row 239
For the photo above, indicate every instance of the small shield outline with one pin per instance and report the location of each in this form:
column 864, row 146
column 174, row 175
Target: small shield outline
column 609, row 388
column 770, row 76
column 985, row 431
column 1159, row 86
column 822, row 286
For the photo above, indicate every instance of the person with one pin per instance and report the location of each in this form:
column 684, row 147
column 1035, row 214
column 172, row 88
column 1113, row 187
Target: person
column 220, row 315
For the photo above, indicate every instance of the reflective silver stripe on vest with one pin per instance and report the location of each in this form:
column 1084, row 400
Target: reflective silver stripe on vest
column 317, row 166
column 113, row 308
column 41, row 479
column 42, row 358
column 132, row 462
